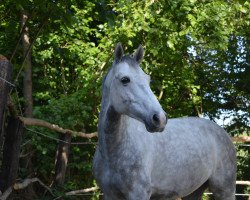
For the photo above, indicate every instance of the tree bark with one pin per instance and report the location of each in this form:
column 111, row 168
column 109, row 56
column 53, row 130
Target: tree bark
column 11, row 152
column 27, row 80
column 27, row 91
column 5, row 79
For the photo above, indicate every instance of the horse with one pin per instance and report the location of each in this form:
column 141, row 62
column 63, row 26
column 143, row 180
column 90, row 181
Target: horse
column 142, row 155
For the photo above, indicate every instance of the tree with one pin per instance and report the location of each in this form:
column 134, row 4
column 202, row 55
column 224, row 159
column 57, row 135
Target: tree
column 197, row 53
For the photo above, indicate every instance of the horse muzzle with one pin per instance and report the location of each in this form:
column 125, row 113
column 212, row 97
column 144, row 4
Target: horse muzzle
column 156, row 122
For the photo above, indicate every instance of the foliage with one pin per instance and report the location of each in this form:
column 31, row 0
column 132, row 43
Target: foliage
column 197, row 53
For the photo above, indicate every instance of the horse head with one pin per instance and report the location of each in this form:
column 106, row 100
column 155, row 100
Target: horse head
column 130, row 93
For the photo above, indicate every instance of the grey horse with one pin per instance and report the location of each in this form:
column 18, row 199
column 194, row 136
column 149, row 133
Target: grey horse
column 179, row 160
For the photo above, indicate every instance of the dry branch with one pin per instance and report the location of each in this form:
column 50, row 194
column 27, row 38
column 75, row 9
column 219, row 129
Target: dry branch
column 76, row 192
column 6, row 193
column 243, row 183
column 54, row 127
column 241, row 139
column 22, row 185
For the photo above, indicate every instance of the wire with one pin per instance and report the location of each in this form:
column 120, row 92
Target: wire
column 11, row 84
column 58, row 140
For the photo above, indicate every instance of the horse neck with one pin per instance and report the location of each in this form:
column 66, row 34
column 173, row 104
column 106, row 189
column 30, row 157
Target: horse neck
column 111, row 127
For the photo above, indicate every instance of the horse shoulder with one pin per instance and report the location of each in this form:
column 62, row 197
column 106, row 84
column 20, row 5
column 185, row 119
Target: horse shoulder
column 101, row 170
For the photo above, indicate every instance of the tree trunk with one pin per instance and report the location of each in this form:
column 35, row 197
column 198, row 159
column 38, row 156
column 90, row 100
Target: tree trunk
column 27, row 92
column 62, row 158
column 27, row 80
column 5, row 80
column 11, row 152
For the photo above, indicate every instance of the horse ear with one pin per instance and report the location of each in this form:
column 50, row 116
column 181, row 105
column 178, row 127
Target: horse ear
column 118, row 52
column 139, row 53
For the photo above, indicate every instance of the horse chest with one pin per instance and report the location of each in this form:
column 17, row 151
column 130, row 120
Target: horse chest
column 124, row 168
column 118, row 174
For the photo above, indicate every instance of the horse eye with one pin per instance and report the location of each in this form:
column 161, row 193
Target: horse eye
column 125, row 80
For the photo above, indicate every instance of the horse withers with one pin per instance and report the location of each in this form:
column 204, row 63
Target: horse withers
column 179, row 160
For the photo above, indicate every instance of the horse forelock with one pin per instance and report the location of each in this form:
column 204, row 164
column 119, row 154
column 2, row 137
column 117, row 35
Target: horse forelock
column 130, row 60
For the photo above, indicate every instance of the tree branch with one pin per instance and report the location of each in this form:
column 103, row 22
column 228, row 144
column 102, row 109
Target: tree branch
column 54, row 127
column 241, row 139
column 22, row 185
column 76, row 192
column 243, row 183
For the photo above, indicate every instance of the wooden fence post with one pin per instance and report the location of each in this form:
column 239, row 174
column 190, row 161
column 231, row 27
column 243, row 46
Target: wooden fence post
column 10, row 139
column 5, row 86
column 11, row 152
column 62, row 158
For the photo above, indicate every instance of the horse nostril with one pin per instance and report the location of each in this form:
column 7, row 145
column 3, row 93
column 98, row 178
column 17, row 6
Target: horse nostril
column 156, row 118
